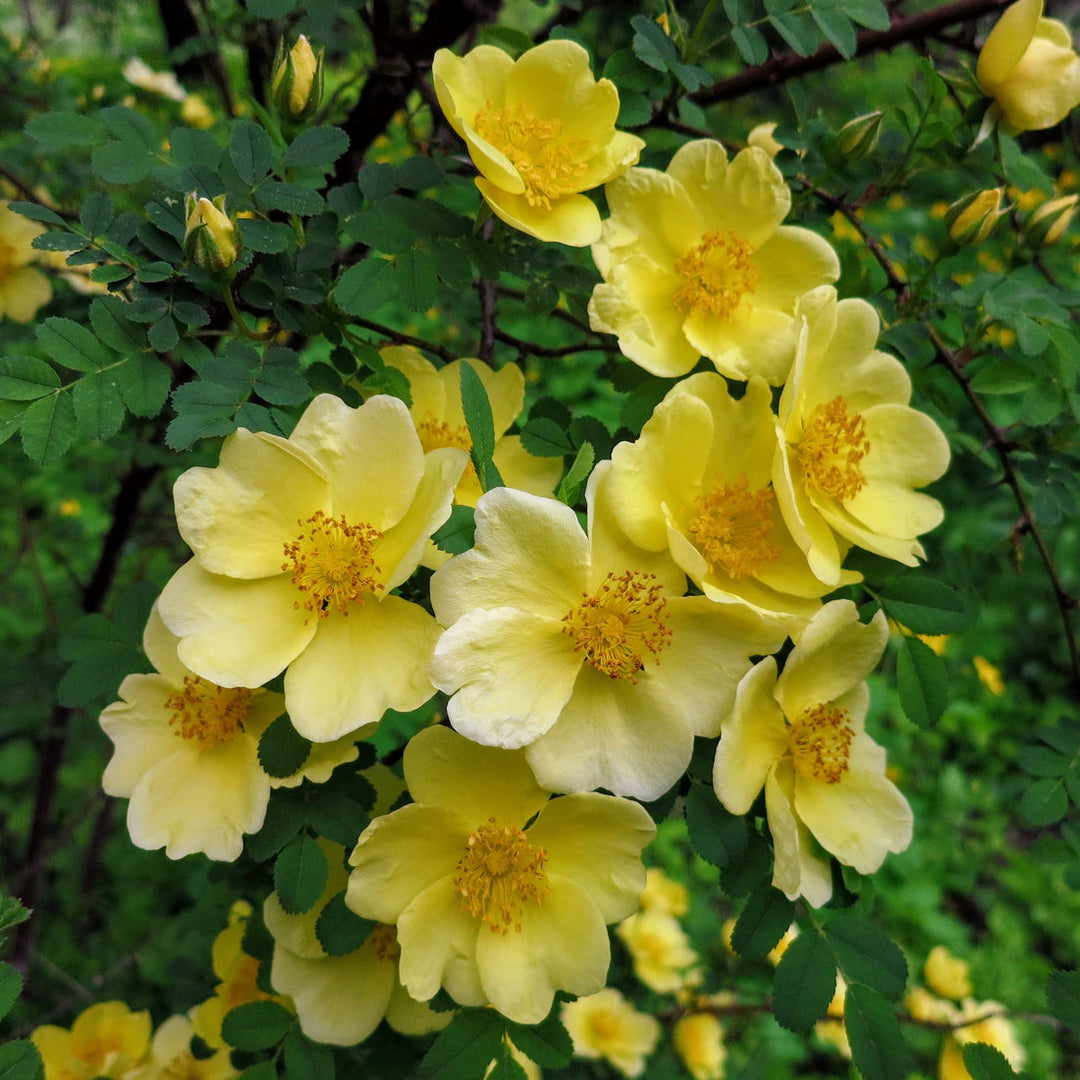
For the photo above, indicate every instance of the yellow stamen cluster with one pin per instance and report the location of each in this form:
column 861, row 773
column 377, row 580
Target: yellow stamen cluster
column 499, row 874
column 384, row 941
column 242, row 985
column 622, row 621
column 547, row 163
column 435, row 434
column 732, row 525
column 832, row 446
column 208, row 712
column 719, row 272
column 333, row 564
column 182, row 1067
column 820, row 743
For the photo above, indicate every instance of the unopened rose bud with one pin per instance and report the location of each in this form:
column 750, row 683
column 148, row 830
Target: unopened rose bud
column 971, row 220
column 1049, row 221
column 297, row 85
column 211, row 239
column 858, row 138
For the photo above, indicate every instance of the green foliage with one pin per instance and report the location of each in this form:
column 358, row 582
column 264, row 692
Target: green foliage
column 877, row 1042
column 258, row 1025
column 466, row 1047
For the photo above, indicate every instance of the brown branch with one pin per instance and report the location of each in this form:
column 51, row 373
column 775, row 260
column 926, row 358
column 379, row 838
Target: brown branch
column 789, row 65
column 441, row 351
column 525, row 348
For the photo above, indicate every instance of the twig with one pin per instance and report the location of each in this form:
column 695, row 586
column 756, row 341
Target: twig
column 486, row 290
column 531, row 348
column 441, row 351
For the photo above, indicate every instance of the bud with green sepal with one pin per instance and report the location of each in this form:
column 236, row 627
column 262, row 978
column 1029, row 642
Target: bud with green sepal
column 296, row 88
column 1049, row 221
column 211, row 238
column 971, row 220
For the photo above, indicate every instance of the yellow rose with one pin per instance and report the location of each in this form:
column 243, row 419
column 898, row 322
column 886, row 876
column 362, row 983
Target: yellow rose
column 23, row 288
column 211, row 239
column 606, row 1025
column 297, row 84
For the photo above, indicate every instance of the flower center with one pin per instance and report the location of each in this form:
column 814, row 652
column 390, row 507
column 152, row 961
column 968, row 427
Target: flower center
column 435, row 434
column 208, row 712
column 732, row 525
column 499, row 874
column 719, row 272
column 831, row 448
column 384, row 941
column 333, row 564
column 624, row 619
column 547, row 163
column 101, row 1051
column 182, row 1067
column 242, row 985
column 7, row 260
column 820, row 743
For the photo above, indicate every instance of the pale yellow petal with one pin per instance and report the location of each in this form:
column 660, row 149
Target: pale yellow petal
column 797, row 871
column 1007, row 42
column 792, row 262
column 22, row 293
column 411, row 1017
column 426, row 382
column 571, row 219
column 809, row 530
column 756, row 341
column 651, row 215
column 520, row 469
column 160, row 644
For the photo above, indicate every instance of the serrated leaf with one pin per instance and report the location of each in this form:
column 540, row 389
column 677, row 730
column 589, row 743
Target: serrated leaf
column 717, row 836
column 122, row 162
column 282, row 822
column 763, row 921
column 569, row 489
column 837, row 28
column 270, row 9
column 300, row 875
column 457, row 533
column 307, row 1060
column 48, row 428
column 477, row 410
column 751, row 43
column 417, row 282
column 10, row 988
column 741, row 876
column 365, row 286
column 316, row 146
column 922, row 682
column 250, row 151
column 99, row 406
column 866, row 954
column 59, row 241
column 465, row 1047
column 289, row 198
column 1063, row 997
column 1042, row 761
column 72, row 345
column 37, row 212
column 256, row 1025
column 339, row 929
column 805, row 982
column 877, row 1041
column 204, row 409
column 20, row 1060
column 869, row 13
column 26, row 378
column 12, row 914
column 925, row 605
column 280, row 381
column 111, row 325
column 58, row 130
column 97, row 212
column 547, row 1043
column 1044, row 802
column 144, row 383
column 985, row 1062
column 163, row 335
column 269, row 237
column 651, row 45
column 282, row 749
column 543, row 437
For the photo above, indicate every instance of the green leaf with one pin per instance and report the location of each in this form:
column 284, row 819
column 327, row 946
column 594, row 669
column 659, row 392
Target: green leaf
column 283, row 821
column 651, row 45
column 763, row 921
column 456, row 534
column 26, row 378
column 12, row 914
column 569, row 489
column 59, row 130
column 280, row 381
column 741, row 876
column 144, row 383
column 282, row 749
column 751, row 43
column 250, row 151
column 547, row 1043
column 837, row 28
column 307, row 1060
column 123, row 162
column 71, row 344
column 866, row 954
column 1063, row 997
column 717, row 836
column 289, row 198
column 300, row 875
column 339, row 929
column 1042, row 761
column 37, row 212
column 20, row 1060
column 257, row 1025
column 877, row 1042
column 543, row 437
column 99, row 406
column 203, row 409
column 97, row 213
column 477, row 409
column 1044, row 802
column 59, row 241
column 263, row 1070
column 365, row 286
column 270, row 9
column 48, row 428
column 10, row 988
column 466, row 1046
column 985, row 1062
column 922, row 681
column 924, row 605
column 869, row 13
column 113, row 328
column 270, row 237
column 316, row 146
column 805, row 982
column 417, row 282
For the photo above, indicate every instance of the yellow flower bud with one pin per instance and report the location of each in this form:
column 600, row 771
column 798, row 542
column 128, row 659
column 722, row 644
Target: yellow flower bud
column 1048, row 222
column 970, row 220
column 858, row 138
column 211, row 239
column 699, row 1041
column 297, row 85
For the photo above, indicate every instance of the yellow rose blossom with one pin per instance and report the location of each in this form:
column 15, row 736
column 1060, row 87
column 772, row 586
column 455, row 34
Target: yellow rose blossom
column 852, row 451
column 106, row 1039
column 661, row 893
column 946, row 974
column 1028, row 66
column 196, row 113
column 698, row 482
column 171, row 1057
column 299, row 544
column 605, row 1025
column 659, row 948
column 983, row 1027
column 499, row 893
column 296, row 86
column 696, row 262
column 698, row 1039
column 23, row 288
column 583, row 649
column 139, row 73
column 540, row 130
column 761, row 136
column 801, row 737
column 340, row 999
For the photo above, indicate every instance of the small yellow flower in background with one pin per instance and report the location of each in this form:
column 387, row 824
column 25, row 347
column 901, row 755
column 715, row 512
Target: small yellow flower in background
column 341, row 999
column 761, row 136
column 989, row 675
column 696, row 262
column 938, row 643
column 698, row 1039
column 1048, row 223
column 196, row 113
column 498, row 892
column 946, row 974
column 605, row 1025
column 296, row 86
column 69, row 508
column 698, row 482
column 776, row 953
column 582, row 648
column 298, row 545
column 994, row 1030
column 1028, row 66
column 852, row 451
column 661, row 893
column 436, row 410
column 171, row 1057
column 971, row 220
column 659, row 948
column 211, row 238
column 23, row 288
column 802, row 738
column 140, row 74
column 540, row 131
column 106, row 1039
